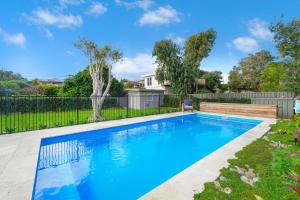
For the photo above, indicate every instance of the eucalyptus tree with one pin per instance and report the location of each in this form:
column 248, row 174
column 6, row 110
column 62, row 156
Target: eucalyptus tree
column 99, row 59
column 179, row 66
column 287, row 38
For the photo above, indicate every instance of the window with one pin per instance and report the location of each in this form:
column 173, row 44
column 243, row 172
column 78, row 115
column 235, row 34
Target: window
column 149, row 81
column 149, row 97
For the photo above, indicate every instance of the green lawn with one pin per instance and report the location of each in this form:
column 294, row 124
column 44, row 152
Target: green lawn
column 271, row 164
column 17, row 122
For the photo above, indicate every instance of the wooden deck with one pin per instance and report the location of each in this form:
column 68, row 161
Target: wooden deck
column 255, row 110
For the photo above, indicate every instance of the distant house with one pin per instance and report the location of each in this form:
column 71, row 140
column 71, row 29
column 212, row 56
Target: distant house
column 151, row 83
column 51, row 81
column 134, row 84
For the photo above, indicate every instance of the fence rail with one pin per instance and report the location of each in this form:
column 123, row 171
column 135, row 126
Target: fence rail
column 245, row 95
column 26, row 113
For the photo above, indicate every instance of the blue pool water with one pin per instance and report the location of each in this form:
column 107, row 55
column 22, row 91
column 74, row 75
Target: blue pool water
column 126, row 162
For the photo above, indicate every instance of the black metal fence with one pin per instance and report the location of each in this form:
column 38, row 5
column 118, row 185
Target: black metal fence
column 25, row 113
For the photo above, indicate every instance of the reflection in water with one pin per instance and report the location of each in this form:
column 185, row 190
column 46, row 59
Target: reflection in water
column 53, row 155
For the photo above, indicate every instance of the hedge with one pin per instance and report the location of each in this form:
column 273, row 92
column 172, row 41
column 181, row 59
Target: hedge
column 44, row 104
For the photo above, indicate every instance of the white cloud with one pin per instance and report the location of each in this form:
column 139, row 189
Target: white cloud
column 161, row 16
column 143, row 4
column 69, row 52
column 47, row 33
column 245, row 44
column 225, row 77
column 176, row 39
column 179, row 40
column 259, row 29
column 70, row 2
column 45, row 17
column 134, row 68
column 17, row 39
column 97, row 9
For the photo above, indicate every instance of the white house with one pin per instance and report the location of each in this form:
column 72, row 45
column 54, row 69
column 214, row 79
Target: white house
column 150, row 83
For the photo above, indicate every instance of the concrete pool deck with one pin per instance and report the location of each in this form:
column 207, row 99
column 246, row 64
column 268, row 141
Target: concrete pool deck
column 19, row 154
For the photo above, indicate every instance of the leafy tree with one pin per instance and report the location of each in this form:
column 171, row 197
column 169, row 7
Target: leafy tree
column 116, row 88
column 126, row 83
column 81, row 84
column 224, row 87
column 9, row 75
column 235, row 79
column 34, row 82
column 272, row 77
column 247, row 74
column 49, row 89
column 287, row 38
column 179, row 66
column 98, row 60
column 213, row 80
column 12, row 84
column 292, row 77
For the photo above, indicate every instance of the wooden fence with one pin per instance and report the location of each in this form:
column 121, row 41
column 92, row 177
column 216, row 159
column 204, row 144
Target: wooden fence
column 246, row 95
column 283, row 100
column 285, row 106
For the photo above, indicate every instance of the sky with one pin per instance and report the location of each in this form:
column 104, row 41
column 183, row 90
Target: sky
column 37, row 36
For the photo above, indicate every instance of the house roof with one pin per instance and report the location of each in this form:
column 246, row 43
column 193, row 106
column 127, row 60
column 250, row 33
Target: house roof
column 147, row 75
column 143, row 90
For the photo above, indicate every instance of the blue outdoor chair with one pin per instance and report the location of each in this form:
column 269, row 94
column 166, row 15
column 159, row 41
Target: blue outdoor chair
column 187, row 105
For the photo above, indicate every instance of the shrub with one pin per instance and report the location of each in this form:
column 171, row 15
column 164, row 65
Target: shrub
column 171, row 101
column 228, row 100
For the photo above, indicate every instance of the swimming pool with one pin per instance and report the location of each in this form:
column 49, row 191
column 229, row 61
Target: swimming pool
column 125, row 162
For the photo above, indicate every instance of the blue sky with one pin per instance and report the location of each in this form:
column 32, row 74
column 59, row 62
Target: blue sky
column 36, row 37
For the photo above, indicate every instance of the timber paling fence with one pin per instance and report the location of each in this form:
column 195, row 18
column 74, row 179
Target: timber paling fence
column 27, row 113
column 283, row 100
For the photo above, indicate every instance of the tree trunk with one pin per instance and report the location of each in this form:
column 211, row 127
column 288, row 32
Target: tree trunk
column 97, row 97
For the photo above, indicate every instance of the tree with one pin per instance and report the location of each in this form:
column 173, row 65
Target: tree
column 213, row 80
column 287, row 38
column 272, row 77
column 235, row 79
column 9, row 75
column 179, row 66
column 49, row 89
column 292, row 77
column 81, row 85
column 247, row 74
column 98, row 60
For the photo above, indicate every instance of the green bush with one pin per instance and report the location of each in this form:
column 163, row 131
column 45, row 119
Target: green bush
column 28, row 104
column 228, row 100
column 171, row 101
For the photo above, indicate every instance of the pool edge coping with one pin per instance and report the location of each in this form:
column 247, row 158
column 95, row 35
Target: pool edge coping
column 190, row 181
column 19, row 153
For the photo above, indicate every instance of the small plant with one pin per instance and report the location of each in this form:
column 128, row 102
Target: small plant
column 71, row 122
column 42, row 126
column 9, row 130
column 297, row 117
column 281, row 132
column 281, row 161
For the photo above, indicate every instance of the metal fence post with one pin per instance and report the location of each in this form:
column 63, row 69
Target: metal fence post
column 127, row 106
column 159, row 104
column 77, row 109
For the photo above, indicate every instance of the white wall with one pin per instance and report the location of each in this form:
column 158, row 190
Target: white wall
column 154, row 85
